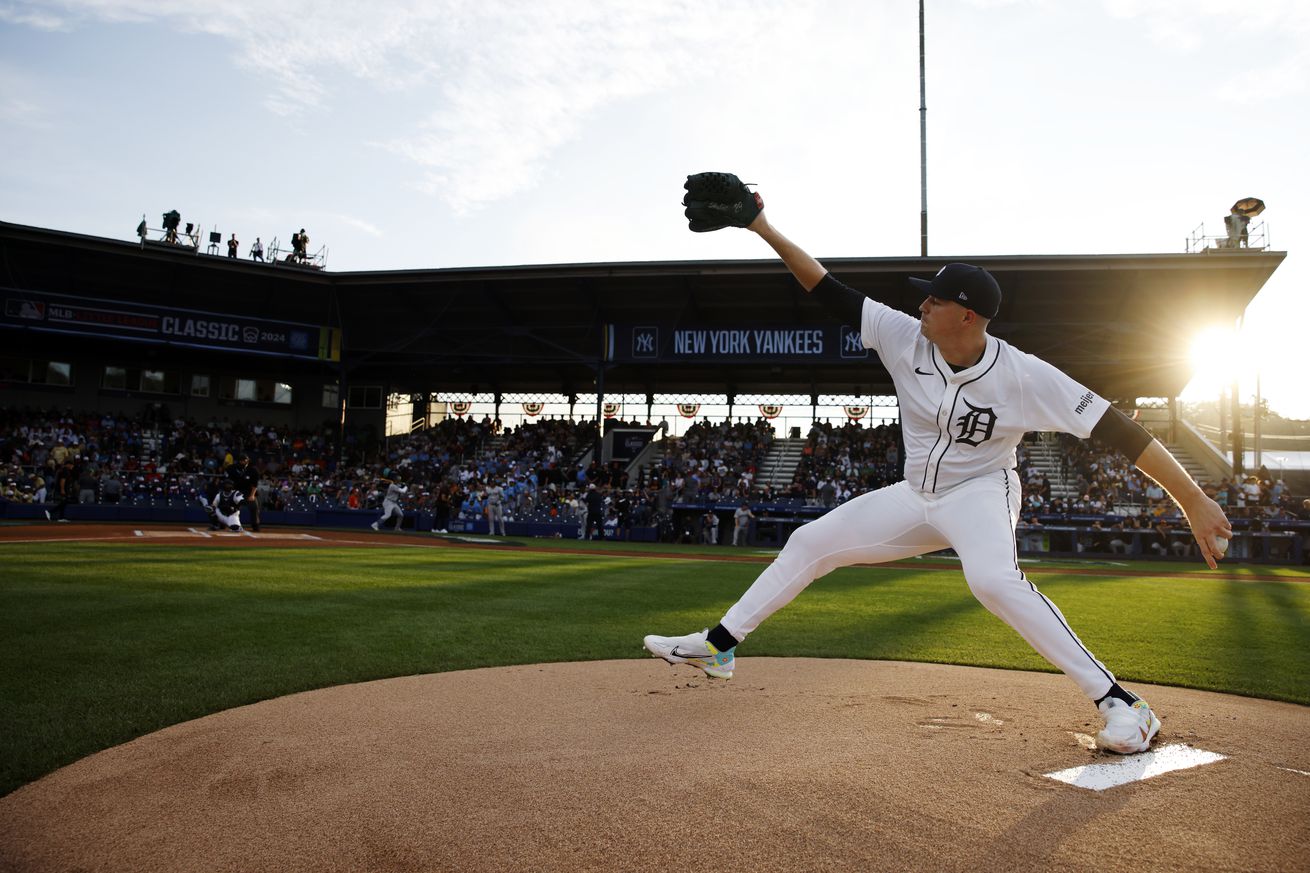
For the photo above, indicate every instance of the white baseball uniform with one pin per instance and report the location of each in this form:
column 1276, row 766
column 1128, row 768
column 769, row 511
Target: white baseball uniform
column 227, row 509
column 495, row 509
column 391, row 504
column 960, row 490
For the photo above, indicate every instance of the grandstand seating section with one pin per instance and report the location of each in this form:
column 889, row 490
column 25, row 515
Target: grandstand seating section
column 153, row 466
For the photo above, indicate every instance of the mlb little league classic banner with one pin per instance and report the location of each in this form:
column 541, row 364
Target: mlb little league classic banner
column 166, row 325
column 635, row 343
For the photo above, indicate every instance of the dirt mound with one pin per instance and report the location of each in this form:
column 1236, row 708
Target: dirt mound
column 795, row 764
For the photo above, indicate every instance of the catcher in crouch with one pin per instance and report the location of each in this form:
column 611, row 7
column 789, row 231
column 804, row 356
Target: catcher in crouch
column 966, row 399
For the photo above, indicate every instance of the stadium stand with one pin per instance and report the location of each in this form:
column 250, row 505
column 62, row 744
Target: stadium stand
column 1078, row 497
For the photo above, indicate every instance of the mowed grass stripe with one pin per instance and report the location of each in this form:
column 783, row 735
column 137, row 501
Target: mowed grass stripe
column 105, row 642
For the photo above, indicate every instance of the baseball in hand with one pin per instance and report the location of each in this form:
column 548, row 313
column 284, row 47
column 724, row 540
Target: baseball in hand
column 1221, row 544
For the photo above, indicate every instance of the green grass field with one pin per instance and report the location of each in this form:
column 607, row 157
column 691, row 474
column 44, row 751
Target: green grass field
column 101, row 643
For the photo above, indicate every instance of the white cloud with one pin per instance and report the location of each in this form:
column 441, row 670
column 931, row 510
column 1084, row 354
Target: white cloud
column 20, row 112
column 22, row 101
column 31, row 17
column 520, row 96
column 357, row 223
column 499, row 85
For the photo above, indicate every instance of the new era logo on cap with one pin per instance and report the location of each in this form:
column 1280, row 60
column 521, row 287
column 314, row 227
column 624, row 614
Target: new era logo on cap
column 970, row 286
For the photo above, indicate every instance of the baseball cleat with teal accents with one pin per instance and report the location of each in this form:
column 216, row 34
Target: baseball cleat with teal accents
column 692, row 649
column 1128, row 729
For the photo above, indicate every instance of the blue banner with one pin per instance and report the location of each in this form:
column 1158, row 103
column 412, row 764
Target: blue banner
column 142, row 322
column 638, row 343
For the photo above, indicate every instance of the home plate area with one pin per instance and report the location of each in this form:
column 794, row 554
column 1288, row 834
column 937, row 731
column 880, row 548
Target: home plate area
column 1135, row 768
column 202, row 533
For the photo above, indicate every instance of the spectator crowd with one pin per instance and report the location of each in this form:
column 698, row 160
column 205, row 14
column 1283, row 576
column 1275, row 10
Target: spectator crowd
column 459, row 467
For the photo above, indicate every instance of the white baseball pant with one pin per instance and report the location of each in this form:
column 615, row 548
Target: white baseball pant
column 495, row 517
column 976, row 518
column 228, row 521
column 390, row 508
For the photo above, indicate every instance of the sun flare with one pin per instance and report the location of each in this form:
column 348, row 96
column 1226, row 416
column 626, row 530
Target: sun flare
column 1218, row 357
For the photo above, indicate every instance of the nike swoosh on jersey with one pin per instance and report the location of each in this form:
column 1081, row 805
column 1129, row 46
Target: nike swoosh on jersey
column 921, row 372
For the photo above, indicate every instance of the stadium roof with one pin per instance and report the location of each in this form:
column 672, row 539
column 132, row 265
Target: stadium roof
column 1122, row 324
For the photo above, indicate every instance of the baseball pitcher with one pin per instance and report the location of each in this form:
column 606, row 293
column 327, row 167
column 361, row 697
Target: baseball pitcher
column 967, row 398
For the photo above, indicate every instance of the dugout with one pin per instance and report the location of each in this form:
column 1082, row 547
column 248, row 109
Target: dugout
column 287, row 346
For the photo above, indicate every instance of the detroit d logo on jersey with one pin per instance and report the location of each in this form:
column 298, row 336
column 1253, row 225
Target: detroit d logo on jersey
column 975, row 426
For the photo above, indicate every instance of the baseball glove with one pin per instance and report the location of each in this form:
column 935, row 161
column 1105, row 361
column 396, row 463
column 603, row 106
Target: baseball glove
column 718, row 200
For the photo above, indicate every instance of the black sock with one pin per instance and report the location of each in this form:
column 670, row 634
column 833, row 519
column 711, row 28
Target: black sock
column 1119, row 694
column 720, row 639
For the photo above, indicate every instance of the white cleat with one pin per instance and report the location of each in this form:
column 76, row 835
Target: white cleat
column 1128, row 729
column 374, row 525
column 692, row 649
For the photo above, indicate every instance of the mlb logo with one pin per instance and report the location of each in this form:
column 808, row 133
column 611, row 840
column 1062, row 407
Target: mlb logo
column 851, row 347
column 32, row 310
column 645, row 342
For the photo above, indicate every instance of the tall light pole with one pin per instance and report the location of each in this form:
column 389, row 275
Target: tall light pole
column 923, row 144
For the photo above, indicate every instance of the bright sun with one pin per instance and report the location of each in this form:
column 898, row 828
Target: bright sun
column 1217, row 358
column 1270, row 346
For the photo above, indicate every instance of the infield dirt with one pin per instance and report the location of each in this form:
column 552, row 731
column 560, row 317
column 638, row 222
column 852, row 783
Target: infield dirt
column 795, row 764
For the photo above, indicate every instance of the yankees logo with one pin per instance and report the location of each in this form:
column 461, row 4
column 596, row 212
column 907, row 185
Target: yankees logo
column 644, row 342
column 975, row 425
column 851, row 346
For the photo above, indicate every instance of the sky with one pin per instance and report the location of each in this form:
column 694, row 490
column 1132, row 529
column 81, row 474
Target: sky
column 449, row 133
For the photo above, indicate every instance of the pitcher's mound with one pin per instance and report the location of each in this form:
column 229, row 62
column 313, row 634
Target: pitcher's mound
column 793, row 765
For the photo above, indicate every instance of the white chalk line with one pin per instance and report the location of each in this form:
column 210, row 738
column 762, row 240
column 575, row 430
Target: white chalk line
column 200, row 533
column 121, row 538
column 189, row 533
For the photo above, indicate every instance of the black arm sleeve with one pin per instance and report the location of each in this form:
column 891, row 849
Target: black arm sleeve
column 1121, row 432
column 842, row 301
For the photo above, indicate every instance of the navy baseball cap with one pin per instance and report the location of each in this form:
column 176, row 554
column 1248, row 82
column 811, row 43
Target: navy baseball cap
column 971, row 287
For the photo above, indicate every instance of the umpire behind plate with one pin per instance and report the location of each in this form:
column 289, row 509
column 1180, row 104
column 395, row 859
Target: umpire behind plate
column 966, row 400
column 244, row 478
